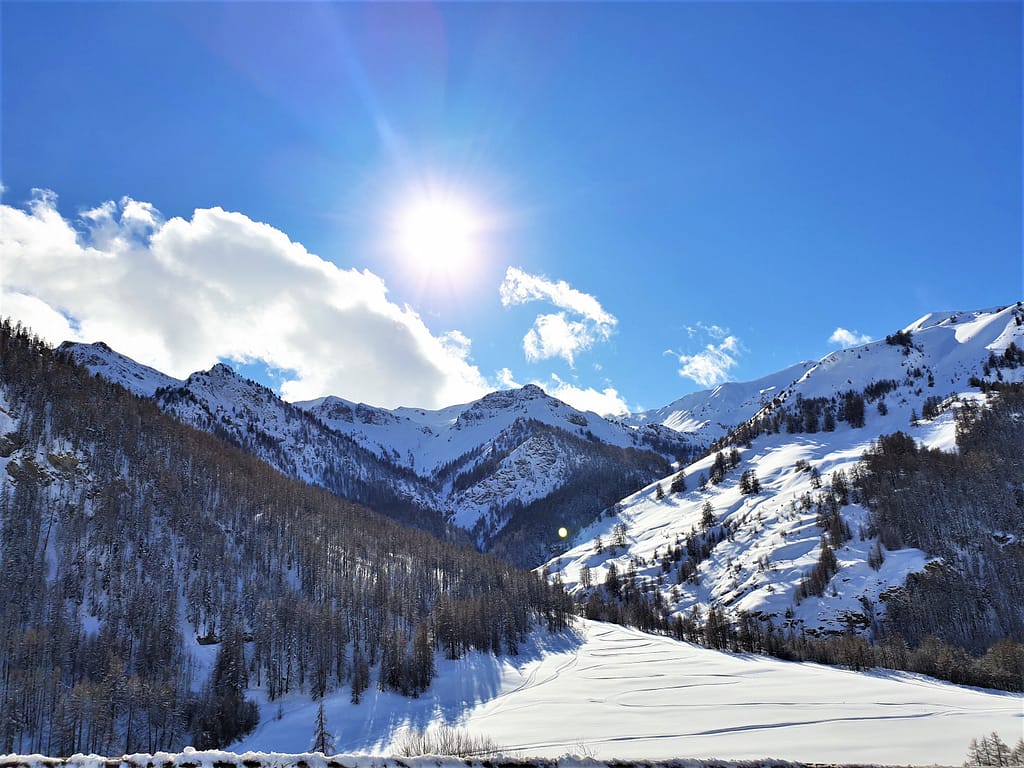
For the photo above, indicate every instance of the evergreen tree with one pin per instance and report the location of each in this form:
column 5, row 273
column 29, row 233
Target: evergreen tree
column 619, row 534
column 718, row 469
column 830, row 421
column 707, row 518
column 586, row 578
column 611, row 581
column 323, row 739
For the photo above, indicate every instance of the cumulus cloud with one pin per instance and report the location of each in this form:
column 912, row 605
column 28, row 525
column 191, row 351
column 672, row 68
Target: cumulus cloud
column 845, row 338
column 506, row 380
column 181, row 294
column 711, row 365
column 557, row 334
column 605, row 402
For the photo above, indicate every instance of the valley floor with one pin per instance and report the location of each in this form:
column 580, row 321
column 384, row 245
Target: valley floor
column 616, row 693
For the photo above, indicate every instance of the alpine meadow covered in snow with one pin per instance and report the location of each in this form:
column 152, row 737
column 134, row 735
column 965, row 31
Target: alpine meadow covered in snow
column 511, row 385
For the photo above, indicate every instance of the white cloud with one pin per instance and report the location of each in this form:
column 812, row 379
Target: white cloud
column 714, row 331
column 506, row 380
column 711, row 366
column 46, row 321
column 181, row 294
column 556, row 335
column 845, row 338
column 606, row 402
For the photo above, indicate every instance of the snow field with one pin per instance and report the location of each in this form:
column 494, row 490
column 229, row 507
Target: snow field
column 615, row 693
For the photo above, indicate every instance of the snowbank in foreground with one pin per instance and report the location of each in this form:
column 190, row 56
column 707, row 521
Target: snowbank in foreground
column 218, row 759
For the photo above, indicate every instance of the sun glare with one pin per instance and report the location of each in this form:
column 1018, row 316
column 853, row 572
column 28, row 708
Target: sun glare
column 439, row 234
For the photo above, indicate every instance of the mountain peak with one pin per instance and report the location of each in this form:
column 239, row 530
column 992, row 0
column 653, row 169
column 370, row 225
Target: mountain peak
column 222, row 369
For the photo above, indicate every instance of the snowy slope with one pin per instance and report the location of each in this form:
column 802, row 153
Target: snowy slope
column 772, row 539
column 709, row 414
column 952, row 346
column 616, row 693
column 113, row 366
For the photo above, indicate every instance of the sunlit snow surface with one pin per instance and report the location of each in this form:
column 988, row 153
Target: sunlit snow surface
column 617, row 693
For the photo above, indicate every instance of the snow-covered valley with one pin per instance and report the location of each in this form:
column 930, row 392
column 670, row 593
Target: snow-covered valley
column 612, row 692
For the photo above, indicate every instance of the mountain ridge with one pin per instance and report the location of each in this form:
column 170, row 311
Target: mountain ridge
column 472, row 467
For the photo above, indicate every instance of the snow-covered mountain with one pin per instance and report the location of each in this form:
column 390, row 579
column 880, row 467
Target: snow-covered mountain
column 480, row 466
column 113, row 366
column 428, row 440
column 708, row 415
column 726, row 545
column 513, row 446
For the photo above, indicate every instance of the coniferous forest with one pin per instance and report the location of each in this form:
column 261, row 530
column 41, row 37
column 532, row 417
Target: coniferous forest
column 127, row 538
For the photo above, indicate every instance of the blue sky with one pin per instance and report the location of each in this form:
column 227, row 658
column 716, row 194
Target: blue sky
column 685, row 192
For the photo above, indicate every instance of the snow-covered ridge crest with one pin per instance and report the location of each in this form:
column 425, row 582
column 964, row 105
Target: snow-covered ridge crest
column 113, row 366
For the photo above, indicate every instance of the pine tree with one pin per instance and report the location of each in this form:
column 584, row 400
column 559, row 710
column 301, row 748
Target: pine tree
column 734, row 457
column 876, row 557
column 1017, row 755
column 323, row 739
column 611, row 581
column 586, row 578
column 707, row 518
column 718, row 469
column 678, row 482
column 830, row 421
column 360, row 675
column 619, row 535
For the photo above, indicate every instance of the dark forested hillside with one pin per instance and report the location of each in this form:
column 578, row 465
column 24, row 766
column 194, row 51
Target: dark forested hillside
column 965, row 508
column 127, row 539
column 298, row 444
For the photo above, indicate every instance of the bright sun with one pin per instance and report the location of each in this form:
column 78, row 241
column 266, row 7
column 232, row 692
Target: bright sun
column 439, row 234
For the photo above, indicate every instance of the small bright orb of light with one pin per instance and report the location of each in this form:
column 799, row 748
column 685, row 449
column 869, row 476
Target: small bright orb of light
column 438, row 234
column 562, row 533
